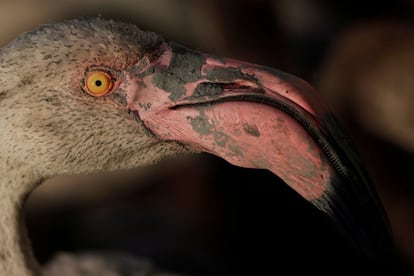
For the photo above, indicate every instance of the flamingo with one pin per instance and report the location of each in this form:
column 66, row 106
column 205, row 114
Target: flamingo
column 91, row 95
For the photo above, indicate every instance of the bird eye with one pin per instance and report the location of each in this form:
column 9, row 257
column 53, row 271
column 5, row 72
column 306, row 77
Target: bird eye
column 98, row 83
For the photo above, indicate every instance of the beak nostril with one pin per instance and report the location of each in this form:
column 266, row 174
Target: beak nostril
column 242, row 87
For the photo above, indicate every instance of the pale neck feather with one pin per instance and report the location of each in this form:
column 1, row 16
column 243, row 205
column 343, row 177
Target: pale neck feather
column 16, row 183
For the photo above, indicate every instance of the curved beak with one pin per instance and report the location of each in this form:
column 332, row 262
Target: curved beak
column 257, row 117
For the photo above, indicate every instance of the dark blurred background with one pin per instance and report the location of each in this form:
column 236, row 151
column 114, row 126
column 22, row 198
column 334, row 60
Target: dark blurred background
column 201, row 216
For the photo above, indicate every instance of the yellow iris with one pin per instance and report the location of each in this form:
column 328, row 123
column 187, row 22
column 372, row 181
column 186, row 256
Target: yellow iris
column 99, row 83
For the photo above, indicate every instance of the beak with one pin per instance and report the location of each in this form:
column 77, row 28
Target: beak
column 258, row 117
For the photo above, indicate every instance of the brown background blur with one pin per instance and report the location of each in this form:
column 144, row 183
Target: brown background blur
column 204, row 217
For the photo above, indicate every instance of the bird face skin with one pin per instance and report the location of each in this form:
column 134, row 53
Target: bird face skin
column 165, row 99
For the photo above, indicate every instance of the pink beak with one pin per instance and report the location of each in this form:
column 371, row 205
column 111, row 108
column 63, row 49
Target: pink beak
column 258, row 117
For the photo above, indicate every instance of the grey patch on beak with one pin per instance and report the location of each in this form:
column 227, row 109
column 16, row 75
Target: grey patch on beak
column 185, row 63
column 185, row 67
column 227, row 75
column 236, row 150
column 201, row 124
column 169, row 83
column 221, row 138
column 252, row 130
column 205, row 89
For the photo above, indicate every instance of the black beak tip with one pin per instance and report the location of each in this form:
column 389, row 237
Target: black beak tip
column 361, row 217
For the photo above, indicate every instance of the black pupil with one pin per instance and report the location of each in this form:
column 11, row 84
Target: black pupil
column 98, row 83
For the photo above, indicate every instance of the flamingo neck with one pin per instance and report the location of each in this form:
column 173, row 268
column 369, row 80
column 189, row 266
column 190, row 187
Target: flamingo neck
column 16, row 256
